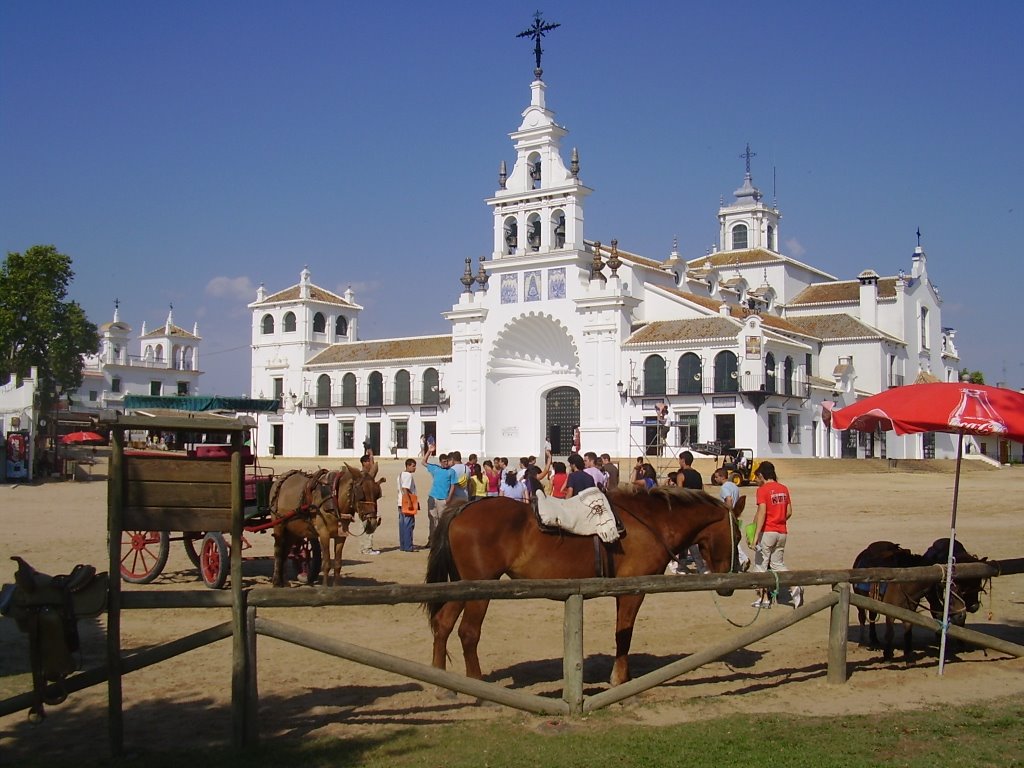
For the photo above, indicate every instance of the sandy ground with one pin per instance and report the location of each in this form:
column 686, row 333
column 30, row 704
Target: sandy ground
column 57, row 524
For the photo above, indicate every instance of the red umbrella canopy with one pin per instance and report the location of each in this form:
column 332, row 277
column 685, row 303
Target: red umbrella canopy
column 971, row 409
column 83, row 437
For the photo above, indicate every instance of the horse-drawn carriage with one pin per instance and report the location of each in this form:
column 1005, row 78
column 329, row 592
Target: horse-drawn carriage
column 178, row 490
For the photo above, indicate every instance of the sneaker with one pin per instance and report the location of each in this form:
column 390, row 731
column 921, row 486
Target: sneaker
column 673, row 567
column 761, row 603
column 370, row 551
column 798, row 597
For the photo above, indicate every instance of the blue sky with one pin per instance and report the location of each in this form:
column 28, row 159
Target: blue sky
column 186, row 152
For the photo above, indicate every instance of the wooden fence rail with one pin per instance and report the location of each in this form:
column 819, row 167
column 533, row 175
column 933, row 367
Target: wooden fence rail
column 572, row 592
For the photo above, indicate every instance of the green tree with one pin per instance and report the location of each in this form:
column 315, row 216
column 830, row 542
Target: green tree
column 39, row 326
column 974, row 377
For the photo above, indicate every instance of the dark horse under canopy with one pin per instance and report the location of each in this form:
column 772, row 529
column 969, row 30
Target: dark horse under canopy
column 494, row 537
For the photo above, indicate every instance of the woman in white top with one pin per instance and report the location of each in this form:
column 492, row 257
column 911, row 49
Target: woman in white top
column 511, row 488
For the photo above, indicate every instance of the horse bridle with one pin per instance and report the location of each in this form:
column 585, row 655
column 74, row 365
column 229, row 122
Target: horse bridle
column 356, row 503
column 672, row 555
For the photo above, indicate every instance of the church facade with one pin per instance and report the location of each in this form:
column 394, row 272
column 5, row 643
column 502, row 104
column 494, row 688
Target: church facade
column 555, row 331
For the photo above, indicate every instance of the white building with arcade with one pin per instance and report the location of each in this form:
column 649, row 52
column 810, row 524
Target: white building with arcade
column 555, row 330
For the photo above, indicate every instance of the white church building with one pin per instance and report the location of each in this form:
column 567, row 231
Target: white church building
column 555, row 331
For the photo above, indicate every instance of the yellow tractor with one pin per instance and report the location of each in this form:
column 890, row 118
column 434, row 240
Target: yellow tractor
column 740, row 464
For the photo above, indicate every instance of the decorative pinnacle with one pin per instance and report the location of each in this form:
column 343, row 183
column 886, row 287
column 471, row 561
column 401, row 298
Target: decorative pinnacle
column 537, row 31
column 481, row 276
column 467, row 277
column 614, row 262
column 574, row 164
column 502, row 175
column 597, row 264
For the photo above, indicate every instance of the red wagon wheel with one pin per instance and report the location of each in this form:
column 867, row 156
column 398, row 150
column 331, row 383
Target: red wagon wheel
column 143, row 555
column 214, row 560
column 193, row 542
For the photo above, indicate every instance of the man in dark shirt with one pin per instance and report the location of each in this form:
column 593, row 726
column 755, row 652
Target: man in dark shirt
column 578, row 479
column 691, row 477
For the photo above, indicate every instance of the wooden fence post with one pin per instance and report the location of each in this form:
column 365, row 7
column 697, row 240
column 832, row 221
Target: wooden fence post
column 572, row 655
column 839, row 620
column 252, row 699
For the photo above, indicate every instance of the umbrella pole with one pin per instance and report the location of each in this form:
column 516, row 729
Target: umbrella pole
column 949, row 561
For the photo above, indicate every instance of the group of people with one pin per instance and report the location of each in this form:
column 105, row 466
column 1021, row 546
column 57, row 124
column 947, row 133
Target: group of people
column 454, row 479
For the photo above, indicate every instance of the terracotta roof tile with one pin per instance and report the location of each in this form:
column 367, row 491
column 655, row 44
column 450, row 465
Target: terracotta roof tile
column 316, row 293
column 727, row 258
column 736, row 311
column 625, row 256
column 836, row 327
column 382, row 351
column 685, row 330
column 842, row 291
column 175, row 331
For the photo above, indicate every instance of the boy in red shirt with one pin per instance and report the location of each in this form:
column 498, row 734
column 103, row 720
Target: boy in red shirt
column 774, row 508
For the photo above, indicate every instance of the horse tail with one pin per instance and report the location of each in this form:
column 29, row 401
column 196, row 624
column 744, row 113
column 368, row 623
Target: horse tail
column 440, row 563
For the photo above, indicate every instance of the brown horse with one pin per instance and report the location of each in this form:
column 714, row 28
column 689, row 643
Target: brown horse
column 493, row 537
column 321, row 506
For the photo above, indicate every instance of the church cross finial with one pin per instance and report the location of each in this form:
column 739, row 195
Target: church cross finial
column 117, row 303
column 747, row 155
column 918, row 237
column 537, row 31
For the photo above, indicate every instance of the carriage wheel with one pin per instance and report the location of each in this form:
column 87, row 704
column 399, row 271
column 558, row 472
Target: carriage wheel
column 308, row 560
column 214, row 560
column 143, row 555
column 193, row 543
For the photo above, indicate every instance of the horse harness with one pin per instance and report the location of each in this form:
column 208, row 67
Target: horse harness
column 47, row 609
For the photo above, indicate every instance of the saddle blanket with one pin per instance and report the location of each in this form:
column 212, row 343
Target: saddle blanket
column 587, row 514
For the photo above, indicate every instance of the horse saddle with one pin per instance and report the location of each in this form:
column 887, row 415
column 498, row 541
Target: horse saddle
column 588, row 514
column 47, row 609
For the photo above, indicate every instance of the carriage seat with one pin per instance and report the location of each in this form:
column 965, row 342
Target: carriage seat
column 588, row 514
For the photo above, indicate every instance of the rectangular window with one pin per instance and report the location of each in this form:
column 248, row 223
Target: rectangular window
column 115, row 385
column 686, row 424
column 278, row 388
column 346, row 435
column 774, row 427
column 155, row 388
column 182, row 387
column 402, row 434
column 793, row 428
column 93, row 395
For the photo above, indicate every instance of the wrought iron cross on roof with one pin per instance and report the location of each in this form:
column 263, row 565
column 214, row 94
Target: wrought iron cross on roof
column 537, row 31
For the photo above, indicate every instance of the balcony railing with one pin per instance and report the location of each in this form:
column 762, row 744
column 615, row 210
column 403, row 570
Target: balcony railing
column 362, row 398
column 797, row 386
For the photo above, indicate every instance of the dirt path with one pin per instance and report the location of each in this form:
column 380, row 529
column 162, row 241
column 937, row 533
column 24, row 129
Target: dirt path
column 56, row 525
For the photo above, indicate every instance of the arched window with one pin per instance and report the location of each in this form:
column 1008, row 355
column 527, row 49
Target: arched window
column 771, row 239
column 511, row 232
column 323, row 391
column 340, row 328
column 319, row 323
column 725, row 372
column 739, row 237
column 690, row 374
column 159, row 353
column 558, row 229
column 176, row 356
column 148, row 354
column 375, row 389
column 430, row 387
column 533, row 232
column 403, row 396
column 348, row 390
column 534, row 165
column 654, row 375
column 924, row 328
column 267, row 324
column 289, row 322
column 769, row 373
column 187, row 359
column 787, row 372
